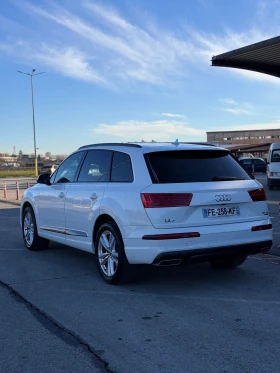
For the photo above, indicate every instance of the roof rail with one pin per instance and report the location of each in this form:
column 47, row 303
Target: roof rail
column 199, row 143
column 111, row 144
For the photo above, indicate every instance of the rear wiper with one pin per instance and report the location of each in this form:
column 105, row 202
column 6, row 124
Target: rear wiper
column 225, row 178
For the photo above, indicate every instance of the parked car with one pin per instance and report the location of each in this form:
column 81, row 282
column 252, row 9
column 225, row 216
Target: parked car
column 158, row 204
column 48, row 169
column 259, row 164
column 273, row 166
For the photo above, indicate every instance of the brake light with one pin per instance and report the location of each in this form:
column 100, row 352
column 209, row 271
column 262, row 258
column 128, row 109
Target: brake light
column 154, row 200
column 261, row 227
column 257, row 195
column 271, row 174
column 171, row 236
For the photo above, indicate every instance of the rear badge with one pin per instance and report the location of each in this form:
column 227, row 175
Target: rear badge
column 169, row 220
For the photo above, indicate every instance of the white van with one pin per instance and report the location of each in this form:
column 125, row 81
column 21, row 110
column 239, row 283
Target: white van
column 273, row 166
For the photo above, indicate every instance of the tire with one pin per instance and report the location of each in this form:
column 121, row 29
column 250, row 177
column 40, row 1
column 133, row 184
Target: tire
column 109, row 245
column 229, row 262
column 29, row 232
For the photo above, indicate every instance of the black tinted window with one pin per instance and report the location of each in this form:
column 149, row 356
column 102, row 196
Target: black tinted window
column 96, row 166
column 258, row 161
column 67, row 171
column 275, row 157
column 246, row 161
column 121, row 168
column 193, row 166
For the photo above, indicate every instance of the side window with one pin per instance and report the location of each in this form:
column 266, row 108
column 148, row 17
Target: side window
column 96, row 166
column 258, row 161
column 53, row 177
column 247, row 162
column 121, row 168
column 67, row 171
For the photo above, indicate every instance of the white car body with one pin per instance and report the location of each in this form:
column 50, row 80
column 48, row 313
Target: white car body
column 273, row 166
column 70, row 213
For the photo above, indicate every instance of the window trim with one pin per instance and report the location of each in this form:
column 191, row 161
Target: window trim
column 117, row 151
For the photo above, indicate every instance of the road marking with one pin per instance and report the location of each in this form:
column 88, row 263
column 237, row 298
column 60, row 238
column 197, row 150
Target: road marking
column 267, row 258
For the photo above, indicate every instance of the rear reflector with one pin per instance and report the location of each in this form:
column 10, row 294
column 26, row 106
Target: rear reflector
column 171, row 236
column 155, row 200
column 257, row 195
column 261, row 227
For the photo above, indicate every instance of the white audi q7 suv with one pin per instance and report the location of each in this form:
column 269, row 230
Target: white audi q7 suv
column 159, row 204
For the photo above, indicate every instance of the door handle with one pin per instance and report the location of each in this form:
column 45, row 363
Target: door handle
column 61, row 195
column 93, row 197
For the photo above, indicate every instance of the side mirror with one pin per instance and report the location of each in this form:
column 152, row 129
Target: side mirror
column 44, row 179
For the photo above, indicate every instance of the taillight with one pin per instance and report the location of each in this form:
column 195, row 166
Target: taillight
column 257, row 195
column 261, row 227
column 153, row 200
column 271, row 173
column 171, row 236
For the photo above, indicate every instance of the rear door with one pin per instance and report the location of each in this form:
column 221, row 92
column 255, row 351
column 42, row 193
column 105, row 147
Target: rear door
column 259, row 165
column 247, row 163
column 200, row 187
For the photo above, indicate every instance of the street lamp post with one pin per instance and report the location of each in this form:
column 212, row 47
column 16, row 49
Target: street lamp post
column 33, row 115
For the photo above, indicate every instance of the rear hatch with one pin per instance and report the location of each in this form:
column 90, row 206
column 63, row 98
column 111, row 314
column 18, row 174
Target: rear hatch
column 200, row 187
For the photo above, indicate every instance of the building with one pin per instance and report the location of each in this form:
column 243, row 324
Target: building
column 249, row 137
column 6, row 158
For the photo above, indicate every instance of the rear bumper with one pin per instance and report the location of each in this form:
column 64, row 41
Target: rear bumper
column 204, row 255
column 214, row 240
column 273, row 181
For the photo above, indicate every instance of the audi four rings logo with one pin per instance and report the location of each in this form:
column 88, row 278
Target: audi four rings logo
column 223, row 198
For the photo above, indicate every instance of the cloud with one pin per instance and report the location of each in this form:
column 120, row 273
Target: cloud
column 69, row 62
column 101, row 45
column 238, row 111
column 229, row 101
column 173, row 115
column 130, row 52
column 275, row 124
column 236, row 108
column 161, row 130
column 257, row 126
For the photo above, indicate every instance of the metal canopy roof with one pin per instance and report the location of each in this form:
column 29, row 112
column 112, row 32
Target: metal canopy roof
column 262, row 57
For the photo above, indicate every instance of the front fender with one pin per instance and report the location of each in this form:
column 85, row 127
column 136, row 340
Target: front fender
column 31, row 196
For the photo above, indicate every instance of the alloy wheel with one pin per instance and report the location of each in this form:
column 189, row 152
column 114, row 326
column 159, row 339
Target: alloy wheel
column 107, row 253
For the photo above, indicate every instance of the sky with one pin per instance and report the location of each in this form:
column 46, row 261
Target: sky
column 122, row 70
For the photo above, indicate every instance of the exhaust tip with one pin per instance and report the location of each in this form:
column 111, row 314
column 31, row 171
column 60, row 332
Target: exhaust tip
column 169, row 262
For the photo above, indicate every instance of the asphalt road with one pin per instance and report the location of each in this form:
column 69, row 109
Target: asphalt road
column 57, row 315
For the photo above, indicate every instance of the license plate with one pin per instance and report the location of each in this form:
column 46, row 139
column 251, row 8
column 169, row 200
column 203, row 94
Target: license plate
column 218, row 212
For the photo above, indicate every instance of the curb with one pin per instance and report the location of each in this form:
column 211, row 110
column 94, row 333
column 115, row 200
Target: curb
column 15, row 203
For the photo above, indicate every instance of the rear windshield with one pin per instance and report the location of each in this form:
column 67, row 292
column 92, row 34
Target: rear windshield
column 189, row 166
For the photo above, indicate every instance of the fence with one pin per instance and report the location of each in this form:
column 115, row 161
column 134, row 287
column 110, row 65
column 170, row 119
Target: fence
column 14, row 190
